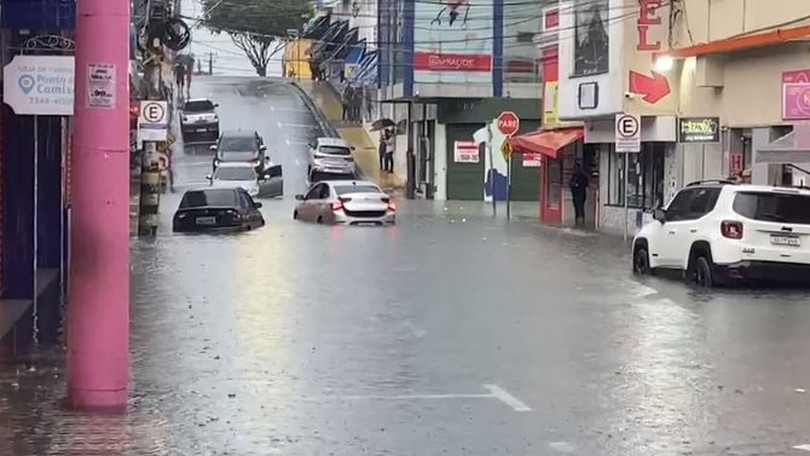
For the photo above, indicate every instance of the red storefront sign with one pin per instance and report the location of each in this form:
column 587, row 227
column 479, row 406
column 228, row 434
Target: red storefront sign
column 430, row 61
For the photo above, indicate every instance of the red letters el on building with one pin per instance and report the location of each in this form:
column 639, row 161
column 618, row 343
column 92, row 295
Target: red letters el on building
column 647, row 16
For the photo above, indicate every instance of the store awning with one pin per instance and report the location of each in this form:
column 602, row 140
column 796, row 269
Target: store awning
column 547, row 142
column 794, row 147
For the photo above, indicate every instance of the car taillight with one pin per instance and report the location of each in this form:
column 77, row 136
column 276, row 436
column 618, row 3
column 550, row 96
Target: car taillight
column 337, row 206
column 235, row 216
column 392, row 206
column 731, row 229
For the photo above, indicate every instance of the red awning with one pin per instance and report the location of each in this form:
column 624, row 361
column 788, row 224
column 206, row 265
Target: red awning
column 547, row 142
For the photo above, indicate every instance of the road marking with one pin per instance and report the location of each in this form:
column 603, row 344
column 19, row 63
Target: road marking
column 643, row 291
column 804, row 447
column 502, row 395
column 402, row 397
column 282, row 125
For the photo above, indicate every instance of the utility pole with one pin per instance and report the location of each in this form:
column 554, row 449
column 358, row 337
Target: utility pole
column 210, row 63
column 150, row 165
column 98, row 289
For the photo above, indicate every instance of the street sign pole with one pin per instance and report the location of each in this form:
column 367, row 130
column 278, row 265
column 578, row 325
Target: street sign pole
column 626, row 186
column 491, row 171
column 509, row 187
column 628, row 140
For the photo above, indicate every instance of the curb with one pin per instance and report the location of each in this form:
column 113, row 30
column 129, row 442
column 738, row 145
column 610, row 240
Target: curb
column 326, row 126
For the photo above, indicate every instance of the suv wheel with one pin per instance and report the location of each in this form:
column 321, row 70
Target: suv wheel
column 700, row 273
column 641, row 260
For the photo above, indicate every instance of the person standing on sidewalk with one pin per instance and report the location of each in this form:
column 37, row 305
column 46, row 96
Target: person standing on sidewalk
column 382, row 147
column 579, row 193
column 347, row 98
column 390, row 148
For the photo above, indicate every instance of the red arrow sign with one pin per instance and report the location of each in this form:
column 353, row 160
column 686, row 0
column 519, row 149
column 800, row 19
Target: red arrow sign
column 653, row 88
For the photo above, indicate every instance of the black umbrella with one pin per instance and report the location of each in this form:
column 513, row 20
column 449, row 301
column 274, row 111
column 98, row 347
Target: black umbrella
column 382, row 124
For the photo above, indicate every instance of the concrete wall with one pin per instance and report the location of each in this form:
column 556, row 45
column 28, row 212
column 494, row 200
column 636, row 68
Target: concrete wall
column 711, row 20
column 751, row 90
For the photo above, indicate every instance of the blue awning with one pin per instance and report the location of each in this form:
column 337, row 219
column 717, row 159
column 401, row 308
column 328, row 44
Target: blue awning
column 44, row 15
column 355, row 54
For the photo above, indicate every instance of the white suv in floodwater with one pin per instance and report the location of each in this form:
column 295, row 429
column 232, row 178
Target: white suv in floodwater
column 718, row 232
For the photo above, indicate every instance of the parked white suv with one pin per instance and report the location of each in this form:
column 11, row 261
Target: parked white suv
column 718, row 232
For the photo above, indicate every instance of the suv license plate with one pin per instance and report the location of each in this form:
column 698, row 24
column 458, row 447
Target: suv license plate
column 206, row 220
column 792, row 241
column 202, row 130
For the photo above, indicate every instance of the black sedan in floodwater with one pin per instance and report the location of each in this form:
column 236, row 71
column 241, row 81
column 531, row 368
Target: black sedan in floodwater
column 217, row 209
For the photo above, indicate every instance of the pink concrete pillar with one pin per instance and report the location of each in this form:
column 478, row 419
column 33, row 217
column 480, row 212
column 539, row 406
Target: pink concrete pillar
column 98, row 296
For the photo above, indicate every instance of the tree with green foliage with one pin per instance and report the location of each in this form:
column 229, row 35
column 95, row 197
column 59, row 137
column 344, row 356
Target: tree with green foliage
column 254, row 25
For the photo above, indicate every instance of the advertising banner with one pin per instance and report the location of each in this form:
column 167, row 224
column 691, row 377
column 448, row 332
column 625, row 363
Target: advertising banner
column 453, row 41
column 796, row 95
column 465, row 152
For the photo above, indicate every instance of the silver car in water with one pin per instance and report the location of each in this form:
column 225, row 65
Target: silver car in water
column 346, row 202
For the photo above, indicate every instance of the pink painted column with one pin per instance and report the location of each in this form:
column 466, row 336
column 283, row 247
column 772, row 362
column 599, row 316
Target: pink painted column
column 98, row 296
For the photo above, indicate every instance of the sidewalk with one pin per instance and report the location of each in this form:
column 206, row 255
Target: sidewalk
column 358, row 136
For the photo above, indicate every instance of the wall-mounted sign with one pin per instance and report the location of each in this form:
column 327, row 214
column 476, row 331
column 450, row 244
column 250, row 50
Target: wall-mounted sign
column 628, row 133
column 699, row 129
column 39, row 85
column 796, row 95
column 465, row 152
column 532, row 160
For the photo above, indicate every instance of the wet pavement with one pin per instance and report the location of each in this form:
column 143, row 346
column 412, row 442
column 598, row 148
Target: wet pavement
column 451, row 333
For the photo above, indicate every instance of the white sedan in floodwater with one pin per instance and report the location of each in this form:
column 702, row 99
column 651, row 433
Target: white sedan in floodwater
column 346, row 202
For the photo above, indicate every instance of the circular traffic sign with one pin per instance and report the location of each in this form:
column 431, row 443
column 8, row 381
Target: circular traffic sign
column 153, row 111
column 627, row 126
column 508, row 123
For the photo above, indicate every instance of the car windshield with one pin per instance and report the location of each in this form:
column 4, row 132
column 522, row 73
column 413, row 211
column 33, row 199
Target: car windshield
column 203, row 198
column 773, row 207
column 235, row 173
column 198, row 106
column 335, row 150
column 345, row 189
column 238, row 144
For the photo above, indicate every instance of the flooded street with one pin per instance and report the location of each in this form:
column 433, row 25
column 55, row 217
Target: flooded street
column 451, row 333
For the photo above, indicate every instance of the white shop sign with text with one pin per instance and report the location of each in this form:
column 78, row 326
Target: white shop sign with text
column 39, row 85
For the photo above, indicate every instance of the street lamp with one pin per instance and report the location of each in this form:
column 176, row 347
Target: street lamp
column 664, row 63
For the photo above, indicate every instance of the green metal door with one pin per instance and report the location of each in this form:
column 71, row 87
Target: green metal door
column 465, row 179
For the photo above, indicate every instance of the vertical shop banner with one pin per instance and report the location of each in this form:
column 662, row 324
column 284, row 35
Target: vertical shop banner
column 453, row 41
column 592, row 42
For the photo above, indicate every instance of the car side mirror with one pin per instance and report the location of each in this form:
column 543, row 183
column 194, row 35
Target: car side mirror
column 274, row 171
column 299, row 197
column 263, row 148
column 257, row 205
column 353, row 148
column 660, row 215
column 209, row 177
column 212, row 147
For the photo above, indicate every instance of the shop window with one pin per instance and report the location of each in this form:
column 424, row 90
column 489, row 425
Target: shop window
column 645, row 185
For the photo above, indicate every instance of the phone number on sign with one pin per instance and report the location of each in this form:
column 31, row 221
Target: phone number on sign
column 50, row 101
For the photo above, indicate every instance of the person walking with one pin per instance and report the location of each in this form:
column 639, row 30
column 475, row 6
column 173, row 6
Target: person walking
column 189, row 73
column 579, row 193
column 347, row 98
column 180, row 78
column 390, row 148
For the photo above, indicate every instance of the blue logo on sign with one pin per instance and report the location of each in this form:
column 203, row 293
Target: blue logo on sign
column 26, row 83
